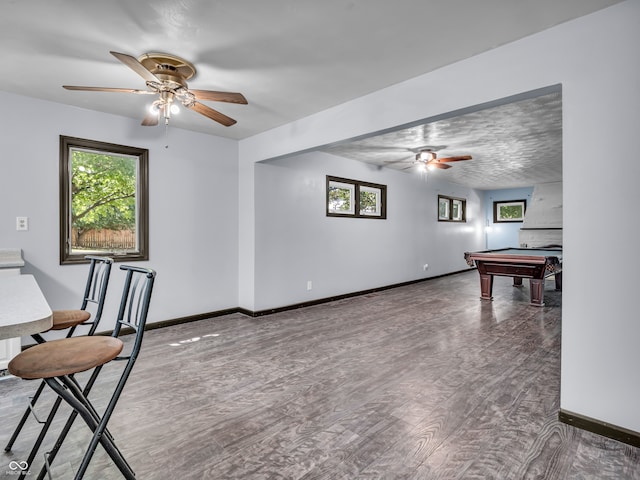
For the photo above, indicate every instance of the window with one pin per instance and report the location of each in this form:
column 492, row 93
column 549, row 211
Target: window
column 452, row 209
column 353, row 198
column 511, row 211
column 341, row 198
column 103, row 201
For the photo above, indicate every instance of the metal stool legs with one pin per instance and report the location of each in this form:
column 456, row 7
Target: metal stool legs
column 95, row 293
column 51, row 455
column 69, row 391
column 25, row 416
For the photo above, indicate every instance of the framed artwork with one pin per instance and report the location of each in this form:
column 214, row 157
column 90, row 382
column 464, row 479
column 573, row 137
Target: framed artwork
column 354, row 198
column 509, row 211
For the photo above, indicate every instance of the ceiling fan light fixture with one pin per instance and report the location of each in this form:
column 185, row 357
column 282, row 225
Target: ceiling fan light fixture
column 155, row 106
column 425, row 156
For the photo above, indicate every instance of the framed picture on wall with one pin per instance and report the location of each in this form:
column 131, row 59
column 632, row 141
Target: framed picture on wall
column 509, row 211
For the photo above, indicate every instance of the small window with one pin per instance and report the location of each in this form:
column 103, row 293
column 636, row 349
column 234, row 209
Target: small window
column 103, row 201
column 510, row 211
column 452, row 209
column 353, row 198
column 443, row 208
column 341, row 198
column 370, row 201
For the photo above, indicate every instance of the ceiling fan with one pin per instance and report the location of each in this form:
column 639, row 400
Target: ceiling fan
column 429, row 158
column 166, row 76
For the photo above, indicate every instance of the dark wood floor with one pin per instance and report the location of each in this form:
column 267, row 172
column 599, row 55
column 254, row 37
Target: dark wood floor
column 419, row 382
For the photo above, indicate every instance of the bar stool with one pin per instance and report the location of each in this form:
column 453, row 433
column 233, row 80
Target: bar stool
column 94, row 294
column 57, row 361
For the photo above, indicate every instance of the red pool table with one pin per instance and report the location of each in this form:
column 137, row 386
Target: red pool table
column 536, row 264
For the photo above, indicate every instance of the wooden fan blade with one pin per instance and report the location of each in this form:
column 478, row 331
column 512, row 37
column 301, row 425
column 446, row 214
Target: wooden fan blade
column 151, row 120
column 212, row 114
column 107, row 89
column 136, row 66
column 455, row 159
column 443, row 166
column 229, row 97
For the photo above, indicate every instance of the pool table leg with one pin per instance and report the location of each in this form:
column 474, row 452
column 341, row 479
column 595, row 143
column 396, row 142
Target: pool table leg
column 536, row 285
column 558, row 281
column 517, row 281
column 486, row 286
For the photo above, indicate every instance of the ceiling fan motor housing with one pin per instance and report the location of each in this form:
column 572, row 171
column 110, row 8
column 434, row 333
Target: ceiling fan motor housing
column 425, row 156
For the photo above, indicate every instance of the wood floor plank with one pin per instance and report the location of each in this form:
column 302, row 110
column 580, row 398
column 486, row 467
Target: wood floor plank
column 424, row 381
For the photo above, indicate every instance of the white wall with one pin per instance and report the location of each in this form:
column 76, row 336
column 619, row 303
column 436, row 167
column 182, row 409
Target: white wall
column 296, row 242
column 193, row 212
column 595, row 59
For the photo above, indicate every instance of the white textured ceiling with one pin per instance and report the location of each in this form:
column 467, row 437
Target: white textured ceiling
column 290, row 58
column 293, row 58
column 513, row 144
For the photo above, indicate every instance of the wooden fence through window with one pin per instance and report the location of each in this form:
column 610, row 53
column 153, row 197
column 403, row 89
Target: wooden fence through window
column 105, row 239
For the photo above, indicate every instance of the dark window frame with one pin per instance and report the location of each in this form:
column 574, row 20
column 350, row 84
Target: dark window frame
column 450, row 200
column 142, row 198
column 498, row 203
column 357, row 185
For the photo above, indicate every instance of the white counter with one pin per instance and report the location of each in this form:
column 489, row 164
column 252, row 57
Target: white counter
column 23, row 308
column 11, row 258
column 10, row 264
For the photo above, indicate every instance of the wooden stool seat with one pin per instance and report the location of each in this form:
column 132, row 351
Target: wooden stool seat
column 65, row 356
column 63, row 319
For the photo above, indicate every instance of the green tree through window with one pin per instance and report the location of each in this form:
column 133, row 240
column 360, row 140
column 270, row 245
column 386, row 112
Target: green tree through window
column 510, row 212
column 104, row 200
column 340, row 199
column 103, row 190
column 368, row 202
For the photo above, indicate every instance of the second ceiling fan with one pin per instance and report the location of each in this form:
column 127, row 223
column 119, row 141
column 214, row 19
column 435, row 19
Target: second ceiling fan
column 429, row 158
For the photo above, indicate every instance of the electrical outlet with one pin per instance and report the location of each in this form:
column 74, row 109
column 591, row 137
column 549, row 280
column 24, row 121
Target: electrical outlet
column 309, row 285
column 425, row 266
column 22, row 223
